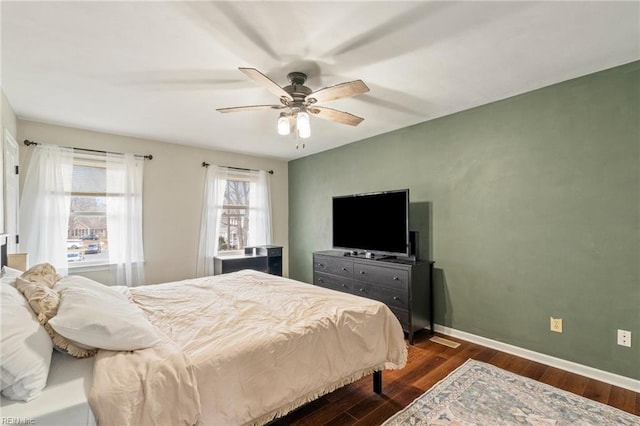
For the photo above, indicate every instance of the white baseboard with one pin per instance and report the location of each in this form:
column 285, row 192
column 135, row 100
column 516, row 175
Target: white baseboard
column 573, row 367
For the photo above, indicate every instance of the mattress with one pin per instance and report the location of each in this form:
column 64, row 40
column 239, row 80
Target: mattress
column 62, row 402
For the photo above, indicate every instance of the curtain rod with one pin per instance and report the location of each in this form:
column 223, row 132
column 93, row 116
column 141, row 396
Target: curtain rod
column 27, row 142
column 205, row 164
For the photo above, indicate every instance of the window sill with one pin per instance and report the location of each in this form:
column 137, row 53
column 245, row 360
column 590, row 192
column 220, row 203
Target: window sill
column 89, row 268
column 229, row 252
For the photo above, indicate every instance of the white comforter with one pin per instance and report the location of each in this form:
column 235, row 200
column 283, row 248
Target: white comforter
column 257, row 345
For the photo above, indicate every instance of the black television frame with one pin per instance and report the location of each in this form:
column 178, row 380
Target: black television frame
column 375, row 252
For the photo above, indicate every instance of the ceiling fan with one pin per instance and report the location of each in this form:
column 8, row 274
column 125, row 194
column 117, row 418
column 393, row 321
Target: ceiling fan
column 298, row 101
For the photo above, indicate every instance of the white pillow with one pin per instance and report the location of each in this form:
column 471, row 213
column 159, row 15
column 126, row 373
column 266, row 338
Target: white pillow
column 97, row 316
column 10, row 272
column 25, row 350
column 11, row 281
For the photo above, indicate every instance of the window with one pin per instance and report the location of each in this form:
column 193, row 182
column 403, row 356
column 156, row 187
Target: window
column 234, row 223
column 236, row 213
column 87, row 236
column 79, row 208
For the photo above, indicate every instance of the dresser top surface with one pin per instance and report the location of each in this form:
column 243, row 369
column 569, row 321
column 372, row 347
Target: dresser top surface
column 239, row 256
column 380, row 259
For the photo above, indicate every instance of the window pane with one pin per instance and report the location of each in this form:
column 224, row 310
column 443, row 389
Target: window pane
column 87, row 179
column 236, row 193
column 234, row 225
column 233, row 229
column 82, row 203
column 87, row 236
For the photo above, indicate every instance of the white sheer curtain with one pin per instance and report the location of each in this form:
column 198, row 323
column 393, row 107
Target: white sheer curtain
column 124, row 217
column 213, row 200
column 44, row 206
column 259, row 209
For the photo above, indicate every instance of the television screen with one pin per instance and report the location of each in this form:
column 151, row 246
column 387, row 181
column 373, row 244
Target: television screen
column 376, row 222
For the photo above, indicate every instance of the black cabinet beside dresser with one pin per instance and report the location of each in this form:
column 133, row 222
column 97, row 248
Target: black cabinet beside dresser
column 404, row 286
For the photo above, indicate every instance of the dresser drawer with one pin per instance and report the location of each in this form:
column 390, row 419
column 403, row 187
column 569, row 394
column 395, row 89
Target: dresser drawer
column 392, row 297
column 403, row 317
column 404, row 287
column 382, row 275
column 333, row 265
column 333, row 282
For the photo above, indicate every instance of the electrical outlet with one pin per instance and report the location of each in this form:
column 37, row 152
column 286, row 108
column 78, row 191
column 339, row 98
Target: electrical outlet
column 624, row 338
column 556, row 324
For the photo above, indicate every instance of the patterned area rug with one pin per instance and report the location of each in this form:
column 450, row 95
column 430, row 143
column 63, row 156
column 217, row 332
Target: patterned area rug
column 481, row 394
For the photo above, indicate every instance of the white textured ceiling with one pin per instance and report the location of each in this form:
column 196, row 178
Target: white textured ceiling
column 158, row 70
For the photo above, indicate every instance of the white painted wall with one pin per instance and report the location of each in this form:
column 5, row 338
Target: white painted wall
column 9, row 120
column 9, row 123
column 172, row 202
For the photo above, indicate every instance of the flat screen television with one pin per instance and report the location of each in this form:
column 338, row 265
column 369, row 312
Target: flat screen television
column 376, row 222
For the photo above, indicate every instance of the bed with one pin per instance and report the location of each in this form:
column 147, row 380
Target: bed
column 239, row 348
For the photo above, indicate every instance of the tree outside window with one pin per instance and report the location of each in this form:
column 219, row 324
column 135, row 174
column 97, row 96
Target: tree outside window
column 234, row 224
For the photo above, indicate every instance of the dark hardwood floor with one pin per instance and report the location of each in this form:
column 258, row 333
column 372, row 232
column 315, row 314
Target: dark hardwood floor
column 430, row 362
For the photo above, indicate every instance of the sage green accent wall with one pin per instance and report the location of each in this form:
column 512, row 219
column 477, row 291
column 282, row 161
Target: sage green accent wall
column 534, row 205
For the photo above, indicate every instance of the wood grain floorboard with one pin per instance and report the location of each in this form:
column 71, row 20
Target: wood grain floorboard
column 533, row 370
column 428, row 363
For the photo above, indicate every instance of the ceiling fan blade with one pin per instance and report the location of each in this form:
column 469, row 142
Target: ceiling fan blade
column 338, row 91
column 335, row 115
column 266, row 82
column 249, row 108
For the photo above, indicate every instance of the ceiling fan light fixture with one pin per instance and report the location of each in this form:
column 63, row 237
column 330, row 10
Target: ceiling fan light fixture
column 284, row 125
column 303, row 125
column 299, row 101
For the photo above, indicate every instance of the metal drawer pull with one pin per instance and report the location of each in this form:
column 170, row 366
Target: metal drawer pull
column 362, row 272
column 344, row 286
column 344, row 269
column 362, row 290
column 396, row 279
column 396, row 298
column 320, row 280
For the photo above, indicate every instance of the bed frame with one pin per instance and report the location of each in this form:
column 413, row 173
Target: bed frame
column 377, row 382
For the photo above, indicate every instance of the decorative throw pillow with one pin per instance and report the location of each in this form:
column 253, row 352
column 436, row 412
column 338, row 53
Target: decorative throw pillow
column 44, row 302
column 98, row 316
column 43, row 273
column 25, row 348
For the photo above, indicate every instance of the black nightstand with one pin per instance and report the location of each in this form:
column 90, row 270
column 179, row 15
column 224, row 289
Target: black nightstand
column 267, row 258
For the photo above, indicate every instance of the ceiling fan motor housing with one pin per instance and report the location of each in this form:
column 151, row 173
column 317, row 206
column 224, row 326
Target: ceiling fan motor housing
column 297, row 78
column 297, row 89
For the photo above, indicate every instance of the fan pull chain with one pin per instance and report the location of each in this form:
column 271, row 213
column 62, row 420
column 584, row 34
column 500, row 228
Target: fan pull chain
column 298, row 141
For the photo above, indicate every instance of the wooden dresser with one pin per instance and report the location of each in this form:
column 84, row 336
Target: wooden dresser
column 404, row 286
